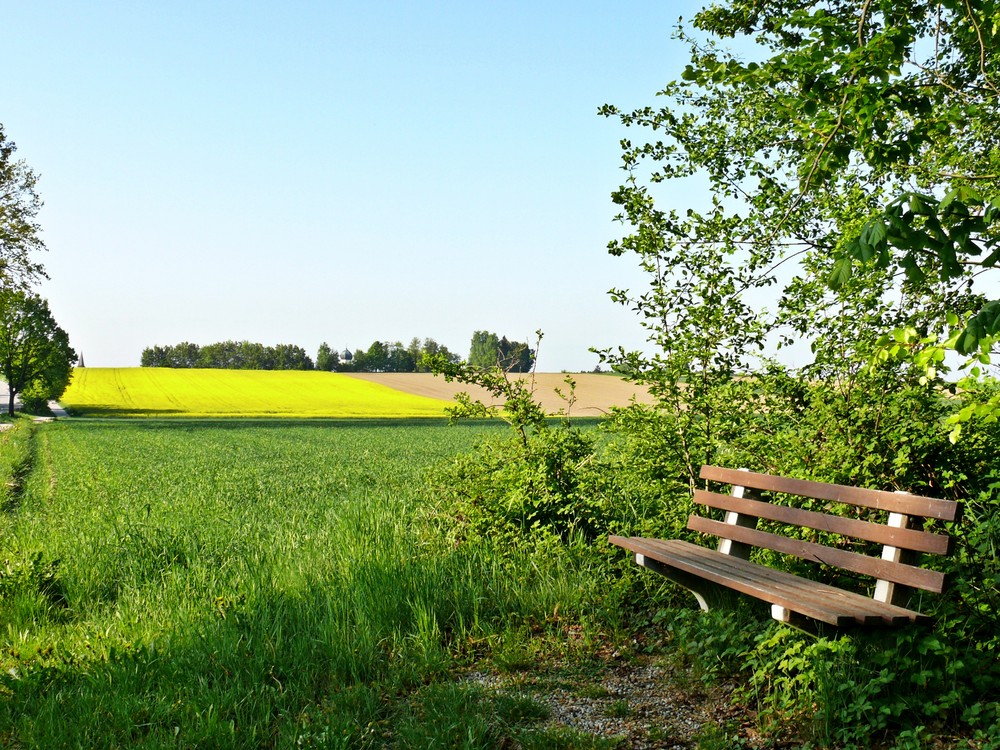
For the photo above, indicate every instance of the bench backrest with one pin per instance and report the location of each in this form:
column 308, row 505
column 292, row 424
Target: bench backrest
column 894, row 571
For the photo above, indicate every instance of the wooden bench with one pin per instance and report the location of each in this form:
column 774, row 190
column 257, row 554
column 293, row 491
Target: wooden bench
column 712, row 575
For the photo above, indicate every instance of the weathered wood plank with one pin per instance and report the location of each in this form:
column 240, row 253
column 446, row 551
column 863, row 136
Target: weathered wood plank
column 879, row 533
column 897, row 502
column 809, row 598
column 737, row 578
column 908, row 575
column 794, row 585
column 709, row 595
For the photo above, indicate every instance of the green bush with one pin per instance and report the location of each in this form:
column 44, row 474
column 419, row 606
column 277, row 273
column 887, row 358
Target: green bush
column 903, row 685
column 509, row 488
column 35, row 404
column 882, row 429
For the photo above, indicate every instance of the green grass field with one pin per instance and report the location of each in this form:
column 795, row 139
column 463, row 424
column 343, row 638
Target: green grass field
column 221, row 584
column 162, row 392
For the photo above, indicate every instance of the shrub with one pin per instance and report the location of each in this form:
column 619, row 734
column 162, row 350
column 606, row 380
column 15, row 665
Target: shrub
column 855, row 689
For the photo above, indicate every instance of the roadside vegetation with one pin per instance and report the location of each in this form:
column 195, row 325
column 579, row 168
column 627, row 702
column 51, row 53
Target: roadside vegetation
column 16, row 452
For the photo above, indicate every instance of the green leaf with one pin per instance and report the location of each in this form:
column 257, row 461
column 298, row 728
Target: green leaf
column 957, row 201
column 991, row 260
column 967, row 194
column 989, row 317
column 968, row 340
column 875, row 233
column 841, row 273
column 913, row 270
column 921, row 205
column 854, row 249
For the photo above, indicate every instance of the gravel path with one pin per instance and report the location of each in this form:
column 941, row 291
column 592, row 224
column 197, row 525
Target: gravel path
column 644, row 703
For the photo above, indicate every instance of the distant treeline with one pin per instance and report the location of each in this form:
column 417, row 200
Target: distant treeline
column 228, row 355
column 381, row 356
column 487, row 350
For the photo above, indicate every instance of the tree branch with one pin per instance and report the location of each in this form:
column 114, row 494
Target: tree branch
column 982, row 48
column 861, row 22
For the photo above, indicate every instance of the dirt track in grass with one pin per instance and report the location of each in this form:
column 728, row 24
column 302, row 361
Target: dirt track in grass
column 595, row 394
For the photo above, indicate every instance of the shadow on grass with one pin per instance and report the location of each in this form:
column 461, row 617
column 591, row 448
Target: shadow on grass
column 161, row 419
column 238, row 423
column 239, row 677
column 106, row 410
column 281, row 669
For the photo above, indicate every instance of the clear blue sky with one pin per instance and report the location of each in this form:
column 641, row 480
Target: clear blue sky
column 329, row 171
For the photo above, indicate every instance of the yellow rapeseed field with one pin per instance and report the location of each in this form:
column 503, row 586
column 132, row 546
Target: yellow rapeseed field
column 164, row 392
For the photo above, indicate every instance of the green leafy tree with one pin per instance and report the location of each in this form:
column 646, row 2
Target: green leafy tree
column 327, row 359
column 184, row 354
column 228, row 355
column 802, row 150
column 153, row 356
column 430, row 349
column 516, row 356
column 483, row 350
column 358, row 362
column 291, row 357
column 901, row 98
column 399, row 358
column 34, row 351
column 19, row 232
column 415, row 352
column 376, row 358
column 850, row 164
column 488, row 351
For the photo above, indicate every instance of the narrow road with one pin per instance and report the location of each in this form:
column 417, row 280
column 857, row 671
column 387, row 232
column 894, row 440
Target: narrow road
column 54, row 406
column 4, row 396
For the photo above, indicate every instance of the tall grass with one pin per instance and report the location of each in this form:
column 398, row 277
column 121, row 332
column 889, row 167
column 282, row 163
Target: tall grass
column 202, row 585
column 15, row 459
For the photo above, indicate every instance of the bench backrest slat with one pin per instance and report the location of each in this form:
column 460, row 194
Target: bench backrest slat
column 908, row 575
column 896, row 502
column 880, row 533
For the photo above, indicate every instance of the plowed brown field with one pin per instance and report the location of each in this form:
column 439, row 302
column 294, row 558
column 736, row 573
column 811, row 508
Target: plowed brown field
column 595, row 394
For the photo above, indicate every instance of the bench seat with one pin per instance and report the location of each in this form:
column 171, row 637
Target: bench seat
column 796, row 595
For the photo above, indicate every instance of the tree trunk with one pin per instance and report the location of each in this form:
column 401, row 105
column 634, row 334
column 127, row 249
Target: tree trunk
column 10, row 401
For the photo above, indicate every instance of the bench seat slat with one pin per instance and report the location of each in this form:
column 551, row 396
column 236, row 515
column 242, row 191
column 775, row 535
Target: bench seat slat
column 800, row 586
column 744, row 578
column 907, row 575
column 912, row 505
column 880, row 533
column 808, row 598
